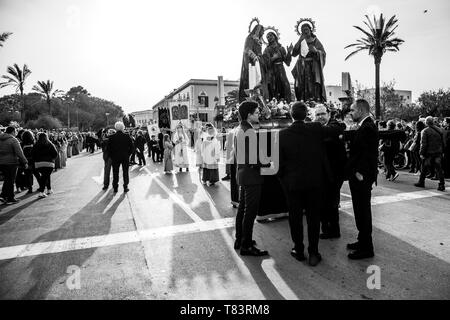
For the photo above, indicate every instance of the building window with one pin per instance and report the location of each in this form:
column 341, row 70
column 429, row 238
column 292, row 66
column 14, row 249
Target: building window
column 203, row 99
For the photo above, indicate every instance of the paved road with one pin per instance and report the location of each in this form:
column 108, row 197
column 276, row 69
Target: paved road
column 171, row 237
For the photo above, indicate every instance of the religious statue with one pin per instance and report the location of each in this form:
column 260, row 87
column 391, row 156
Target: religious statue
column 275, row 56
column 309, row 82
column 253, row 70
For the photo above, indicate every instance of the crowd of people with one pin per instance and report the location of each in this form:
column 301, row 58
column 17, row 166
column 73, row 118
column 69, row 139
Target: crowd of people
column 317, row 153
column 26, row 155
column 316, row 157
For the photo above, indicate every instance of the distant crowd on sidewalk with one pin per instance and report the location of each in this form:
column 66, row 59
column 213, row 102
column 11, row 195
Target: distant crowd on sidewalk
column 26, row 155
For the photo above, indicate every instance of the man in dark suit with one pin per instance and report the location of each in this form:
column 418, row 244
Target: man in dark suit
column 302, row 174
column 160, row 146
column 248, row 178
column 153, row 148
column 336, row 160
column 362, row 170
column 120, row 147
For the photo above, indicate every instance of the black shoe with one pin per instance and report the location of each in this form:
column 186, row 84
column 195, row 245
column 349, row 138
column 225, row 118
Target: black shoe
column 12, row 201
column 353, row 246
column 300, row 256
column 419, row 185
column 30, row 191
column 253, row 251
column 227, row 177
column 441, row 187
column 237, row 244
column 329, row 235
column 116, row 190
column 126, row 189
column 361, row 254
column 105, row 187
column 314, row 259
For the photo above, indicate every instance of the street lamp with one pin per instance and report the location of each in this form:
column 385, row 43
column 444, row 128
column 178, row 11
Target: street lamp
column 107, row 114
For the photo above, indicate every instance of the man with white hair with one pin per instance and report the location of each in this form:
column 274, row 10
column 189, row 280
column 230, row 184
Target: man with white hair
column 432, row 146
column 120, row 147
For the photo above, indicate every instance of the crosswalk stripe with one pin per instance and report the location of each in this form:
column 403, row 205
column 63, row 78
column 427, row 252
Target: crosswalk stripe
column 58, row 246
column 175, row 198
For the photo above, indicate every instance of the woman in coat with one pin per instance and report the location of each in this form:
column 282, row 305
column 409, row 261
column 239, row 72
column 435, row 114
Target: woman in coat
column 44, row 154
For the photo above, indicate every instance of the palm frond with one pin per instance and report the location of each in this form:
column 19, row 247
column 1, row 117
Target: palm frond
column 371, row 26
column 392, row 21
column 369, row 36
column 353, row 53
column 3, row 37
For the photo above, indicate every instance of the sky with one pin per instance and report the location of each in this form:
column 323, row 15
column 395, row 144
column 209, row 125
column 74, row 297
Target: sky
column 135, row 52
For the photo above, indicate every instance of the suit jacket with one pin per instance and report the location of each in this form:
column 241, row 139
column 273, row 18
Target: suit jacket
column 336, row 153
column 120, row 146
column 247, row 173
column 364, row 152
column 303, row 154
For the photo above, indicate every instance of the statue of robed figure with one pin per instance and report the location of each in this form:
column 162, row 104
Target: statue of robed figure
column 309, row 82
column 253, row 70
column 275, row 56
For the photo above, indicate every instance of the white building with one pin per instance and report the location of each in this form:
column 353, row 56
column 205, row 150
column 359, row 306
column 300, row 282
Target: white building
column 199, row 96
column 143, row 118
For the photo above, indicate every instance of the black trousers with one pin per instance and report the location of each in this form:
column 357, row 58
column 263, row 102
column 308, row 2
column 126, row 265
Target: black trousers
column 107, row 171
column 233, row 183
column 330, row 207
column 389, row 164
column 248, row 209
column 9, row 175
column 309, row 203
column 436, row 162
column 125, row 167
column 361, row 194
column 141, row 156
column 44, row 180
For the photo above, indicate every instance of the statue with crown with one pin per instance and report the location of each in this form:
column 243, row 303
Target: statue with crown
column 263, row 76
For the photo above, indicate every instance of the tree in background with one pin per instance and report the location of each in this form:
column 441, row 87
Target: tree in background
column 46, row 90
column 391, row 104
column 435, row 103
column 16, row 78
column 44, row 121
column 378, row 39
column 3, row 37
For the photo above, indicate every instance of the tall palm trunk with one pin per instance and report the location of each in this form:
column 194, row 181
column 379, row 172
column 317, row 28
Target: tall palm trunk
column 49, row 102
column 377, row 87
column 22, row 110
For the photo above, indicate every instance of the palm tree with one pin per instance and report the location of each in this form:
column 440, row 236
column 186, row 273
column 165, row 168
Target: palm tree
column 377, row 40
column 45, row 89
column 3, row 37
column 16, row 78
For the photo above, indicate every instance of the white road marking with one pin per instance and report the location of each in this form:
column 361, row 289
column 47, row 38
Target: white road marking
column 405, row 196
column 276, row 279
column 175, row 198
column 58, row 246
column 198, row 226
